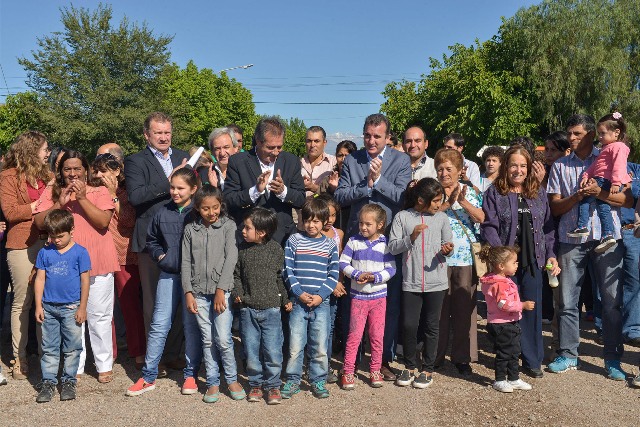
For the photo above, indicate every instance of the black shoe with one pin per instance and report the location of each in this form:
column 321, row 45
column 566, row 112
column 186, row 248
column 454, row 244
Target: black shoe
column 332, row 378
column 634, row 342
column 532, row 372
column 422, row 381
column 464, row 369
column 404, row 379
column 47, row 390
column 68, row 391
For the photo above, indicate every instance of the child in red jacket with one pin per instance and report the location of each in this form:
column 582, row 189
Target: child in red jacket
column 504, row 310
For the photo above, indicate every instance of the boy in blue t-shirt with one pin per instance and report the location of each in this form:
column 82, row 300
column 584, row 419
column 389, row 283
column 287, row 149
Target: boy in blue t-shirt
column 61, row 294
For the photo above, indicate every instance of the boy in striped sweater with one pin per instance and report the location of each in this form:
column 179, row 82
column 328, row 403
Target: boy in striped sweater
column 311, row 273
column 368, row 263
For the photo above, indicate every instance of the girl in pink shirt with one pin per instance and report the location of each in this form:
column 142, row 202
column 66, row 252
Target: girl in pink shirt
column 609, row 170
column 504, row 310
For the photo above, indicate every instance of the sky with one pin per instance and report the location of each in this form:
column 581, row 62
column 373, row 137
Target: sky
column 325, row 62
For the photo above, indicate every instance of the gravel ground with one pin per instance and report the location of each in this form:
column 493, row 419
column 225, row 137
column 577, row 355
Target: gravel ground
column 583, row 397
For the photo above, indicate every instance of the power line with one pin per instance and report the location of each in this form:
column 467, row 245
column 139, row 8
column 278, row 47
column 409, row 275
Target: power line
column 5, row 80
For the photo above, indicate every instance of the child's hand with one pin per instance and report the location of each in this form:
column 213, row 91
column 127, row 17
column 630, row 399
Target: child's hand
column 528, row 305
column 615, row 189
column 339, row 290
column 316, row 300
column 219, row 301
column 446, row 248
column 583, row 181
column 81, row 315
column 3, row 225
column 39, row 315
column 365, row 277
column 416, row 231
column 288, row 306
column 305, row 298
column 190, row 301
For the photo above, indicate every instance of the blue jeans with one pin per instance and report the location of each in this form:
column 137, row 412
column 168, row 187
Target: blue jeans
column 214, row 339
column 607, row 277
column 169, row 296
column 630, row 286
column 530, row 289
column 392, row 318
column 262, row 338
column 60, row 326
column 308, row 328
column 603, row 208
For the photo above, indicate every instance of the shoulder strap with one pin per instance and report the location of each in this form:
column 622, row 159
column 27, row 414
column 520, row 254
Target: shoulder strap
column 461, row 225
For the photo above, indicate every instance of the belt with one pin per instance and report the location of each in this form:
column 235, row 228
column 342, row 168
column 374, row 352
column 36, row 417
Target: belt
column 628, row 227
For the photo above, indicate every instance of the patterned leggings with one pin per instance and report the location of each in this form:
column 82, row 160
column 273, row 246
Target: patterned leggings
column 365, row 313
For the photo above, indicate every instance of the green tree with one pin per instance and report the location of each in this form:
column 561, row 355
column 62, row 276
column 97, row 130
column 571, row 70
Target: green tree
column 16, row 116
column 200, row 100
column 94, row 82
column 294, row 140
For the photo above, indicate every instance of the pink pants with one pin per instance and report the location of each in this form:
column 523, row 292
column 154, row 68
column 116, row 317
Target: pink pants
column 365, row 313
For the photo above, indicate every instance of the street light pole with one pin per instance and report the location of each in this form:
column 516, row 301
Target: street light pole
column 244, row 67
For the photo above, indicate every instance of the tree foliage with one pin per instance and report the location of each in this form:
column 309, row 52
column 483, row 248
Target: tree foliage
column 17, row 115
column 200, row 100
column 94, row 82
column 545, row 63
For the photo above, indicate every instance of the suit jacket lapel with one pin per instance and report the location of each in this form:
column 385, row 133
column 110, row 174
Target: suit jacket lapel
column 364, row 163
column 151, row 158
column 254, row 164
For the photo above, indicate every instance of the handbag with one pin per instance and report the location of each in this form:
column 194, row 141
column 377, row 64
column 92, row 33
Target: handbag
column 479, row 265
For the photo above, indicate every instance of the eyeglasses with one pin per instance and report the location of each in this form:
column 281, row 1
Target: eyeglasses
column 106, row 156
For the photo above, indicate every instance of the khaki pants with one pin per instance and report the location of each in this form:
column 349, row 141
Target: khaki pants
column 460, row 313
column 21, row 262
column 149, row 274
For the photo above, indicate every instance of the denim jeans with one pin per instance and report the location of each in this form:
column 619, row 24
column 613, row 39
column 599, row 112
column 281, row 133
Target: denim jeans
column 308, row 328
column 168, row 297
column 262, row 338
column 603, row 208
column 608, row 278
column 215, row 339
column 193, row 345
column 630, row 286
column 60, row 326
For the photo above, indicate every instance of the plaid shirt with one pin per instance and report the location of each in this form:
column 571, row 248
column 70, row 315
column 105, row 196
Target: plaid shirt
column 564, row 180
column 165, row 162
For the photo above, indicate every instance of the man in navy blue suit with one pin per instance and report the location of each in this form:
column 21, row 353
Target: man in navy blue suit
column 376, row 174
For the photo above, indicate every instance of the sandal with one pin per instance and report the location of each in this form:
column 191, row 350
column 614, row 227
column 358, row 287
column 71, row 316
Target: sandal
column 105, row 377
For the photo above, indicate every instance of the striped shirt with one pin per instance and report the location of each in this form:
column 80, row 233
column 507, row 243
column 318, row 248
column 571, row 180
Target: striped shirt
column 311, row 265
column 361, row 255
column 165, row 162
column 564, row 179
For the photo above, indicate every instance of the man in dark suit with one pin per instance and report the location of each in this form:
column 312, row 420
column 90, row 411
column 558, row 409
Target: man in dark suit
column 147, row 180
column 376, row 174
column 267, row 177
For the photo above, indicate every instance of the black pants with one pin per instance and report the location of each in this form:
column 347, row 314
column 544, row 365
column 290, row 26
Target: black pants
column 506, row 343
column 421, row 310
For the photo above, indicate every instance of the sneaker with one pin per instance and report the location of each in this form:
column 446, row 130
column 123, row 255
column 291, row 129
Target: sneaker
column 255, row 394
column 578, row 232
column 348, row 381
column 289, row 389
column 189, row 386
column 614, row 370
column 68, row 391
column 636, row 381
column 502, row 386
column 273, row 396
column 605, row 244
column 520, row 385
column 464, row 369
column 532, row 372
column 3, row 379
column 563, row 364
column 47, row 390
column 422, row 381
column 387, row 372
column 319, row 390
column 140, row 387
column 404, row 379
column 376, row 379
column 332, row 377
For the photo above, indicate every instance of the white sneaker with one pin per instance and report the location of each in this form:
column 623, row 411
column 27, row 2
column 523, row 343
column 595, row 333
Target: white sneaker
column 3, row 379
column 503, row 386
column 520, row 385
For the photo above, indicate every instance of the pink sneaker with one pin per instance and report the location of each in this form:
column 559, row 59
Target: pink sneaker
column 140, row 387
column 189, row 386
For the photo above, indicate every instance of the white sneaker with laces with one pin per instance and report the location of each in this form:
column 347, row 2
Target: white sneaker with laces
column 520, row 385
column 3, row 379
column 503, row 386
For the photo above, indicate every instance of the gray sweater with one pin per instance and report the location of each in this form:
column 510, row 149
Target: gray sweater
column 209, row 255
column 258, row 276
column 424, row 267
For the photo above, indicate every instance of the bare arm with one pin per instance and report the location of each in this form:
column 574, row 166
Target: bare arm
column 38, row 289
